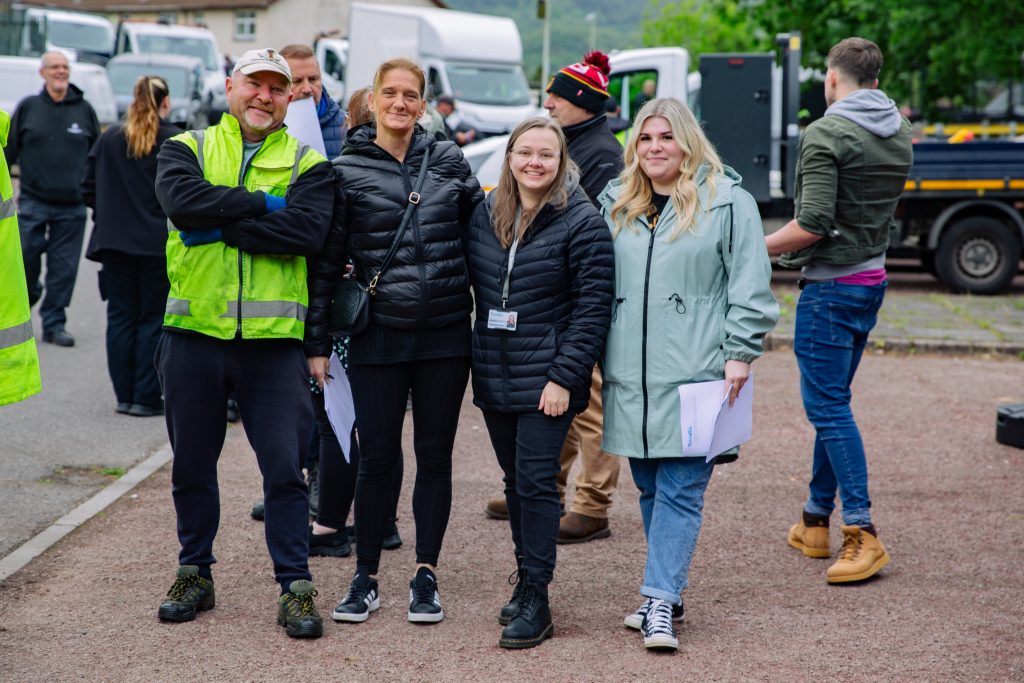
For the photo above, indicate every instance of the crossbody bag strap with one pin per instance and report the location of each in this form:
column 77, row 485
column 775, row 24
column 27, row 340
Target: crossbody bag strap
column 414, row 200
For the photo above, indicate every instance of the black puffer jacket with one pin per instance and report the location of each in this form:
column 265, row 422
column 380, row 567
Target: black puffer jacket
column 597, row 153
column 561, row 287
column 426, row 285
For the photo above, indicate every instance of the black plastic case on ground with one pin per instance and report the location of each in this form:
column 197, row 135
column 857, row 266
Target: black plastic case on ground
column 1010, row 425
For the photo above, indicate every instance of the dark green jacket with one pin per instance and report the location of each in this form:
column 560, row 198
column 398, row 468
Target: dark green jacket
column 848, row 181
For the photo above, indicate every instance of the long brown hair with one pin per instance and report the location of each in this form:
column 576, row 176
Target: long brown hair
column 637, row 193
column 506, row 196
column 142, row 120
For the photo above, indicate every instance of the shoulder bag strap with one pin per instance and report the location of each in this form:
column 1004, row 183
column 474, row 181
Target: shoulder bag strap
column 414, row 199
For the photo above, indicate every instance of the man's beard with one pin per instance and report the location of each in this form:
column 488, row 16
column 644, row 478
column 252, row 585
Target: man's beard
column 258, row 126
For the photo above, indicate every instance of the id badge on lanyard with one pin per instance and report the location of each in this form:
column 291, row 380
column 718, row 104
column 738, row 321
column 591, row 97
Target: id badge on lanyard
column 505, row 319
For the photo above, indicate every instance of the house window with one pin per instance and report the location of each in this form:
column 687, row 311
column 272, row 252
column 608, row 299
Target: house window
column 198, row 18
column 245, row 24
column 167, row 18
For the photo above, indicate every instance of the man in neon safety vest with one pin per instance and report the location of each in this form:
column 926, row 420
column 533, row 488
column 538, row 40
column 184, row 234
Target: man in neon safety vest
column 19, row 362
column 247, row 204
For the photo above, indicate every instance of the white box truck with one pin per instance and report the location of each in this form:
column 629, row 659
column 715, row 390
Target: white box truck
column 476, row 59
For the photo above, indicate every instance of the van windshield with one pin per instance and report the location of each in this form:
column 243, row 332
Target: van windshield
column 77, row 36
column 179, row 45
column 501, row 85
column 123, row 76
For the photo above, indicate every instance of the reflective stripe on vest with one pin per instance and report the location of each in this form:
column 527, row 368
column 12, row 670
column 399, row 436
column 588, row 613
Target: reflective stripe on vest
column 177, row 307
column 19, row 334
column 7, row 208
column 250, row 309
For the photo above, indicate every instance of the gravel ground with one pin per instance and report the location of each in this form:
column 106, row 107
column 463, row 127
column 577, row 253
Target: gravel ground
column 949, row 607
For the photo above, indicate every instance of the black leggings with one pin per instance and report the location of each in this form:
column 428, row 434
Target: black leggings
column 380, row 392
column 337, row 478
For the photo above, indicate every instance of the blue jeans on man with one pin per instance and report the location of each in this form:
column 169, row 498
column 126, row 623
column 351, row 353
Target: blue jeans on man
column 833, row 321
column 672, row 505
column 58, row 230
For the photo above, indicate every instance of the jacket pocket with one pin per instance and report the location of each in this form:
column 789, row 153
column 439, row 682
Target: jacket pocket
column 690, row 341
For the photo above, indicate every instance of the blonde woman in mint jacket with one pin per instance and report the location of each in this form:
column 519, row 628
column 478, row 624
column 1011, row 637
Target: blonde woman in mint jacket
column 692, row 304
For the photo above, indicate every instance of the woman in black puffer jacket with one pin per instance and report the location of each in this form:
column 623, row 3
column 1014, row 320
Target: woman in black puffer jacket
column 418, row 335
column 542, row 268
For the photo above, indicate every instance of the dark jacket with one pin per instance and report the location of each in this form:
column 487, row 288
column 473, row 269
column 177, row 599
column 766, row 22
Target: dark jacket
column 561, row 288
column 596, row 152
column 50, row 141
column 426, row 285
column 332, row 125
column 121, row 193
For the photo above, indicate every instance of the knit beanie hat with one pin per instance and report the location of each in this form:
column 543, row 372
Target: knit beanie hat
column 585, row 84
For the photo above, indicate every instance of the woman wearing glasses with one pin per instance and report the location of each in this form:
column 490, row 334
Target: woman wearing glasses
column 541, row 266
column 128, row 239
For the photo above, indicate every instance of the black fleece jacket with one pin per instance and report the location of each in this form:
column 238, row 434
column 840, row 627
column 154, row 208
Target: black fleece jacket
column 596, row 152
column 50, row 141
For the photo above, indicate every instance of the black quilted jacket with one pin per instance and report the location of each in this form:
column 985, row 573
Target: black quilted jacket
column 426, row 285
column 561, row 287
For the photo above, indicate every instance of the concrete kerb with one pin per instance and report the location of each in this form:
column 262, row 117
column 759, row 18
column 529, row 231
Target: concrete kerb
column 775, row 342
column 37, row 545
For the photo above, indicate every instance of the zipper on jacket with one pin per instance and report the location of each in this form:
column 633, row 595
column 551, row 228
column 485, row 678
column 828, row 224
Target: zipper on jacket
column 643, row 347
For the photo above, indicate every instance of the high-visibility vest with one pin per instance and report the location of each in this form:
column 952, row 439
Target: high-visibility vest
column 219, row 290
column 19, row 362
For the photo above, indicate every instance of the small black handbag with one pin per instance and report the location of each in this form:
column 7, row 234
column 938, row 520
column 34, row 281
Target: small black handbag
column 350, row 304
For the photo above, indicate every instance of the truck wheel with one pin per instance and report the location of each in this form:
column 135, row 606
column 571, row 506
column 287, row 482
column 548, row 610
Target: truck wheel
column 978, row 255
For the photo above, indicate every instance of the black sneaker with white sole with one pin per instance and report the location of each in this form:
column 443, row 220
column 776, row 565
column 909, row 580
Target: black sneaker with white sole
column 424, row 600
column 361, row 599
column 657, row 628
column 636, row 619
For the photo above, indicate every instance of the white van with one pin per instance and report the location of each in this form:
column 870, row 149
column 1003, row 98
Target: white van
column 192, row 41
column 82, row 37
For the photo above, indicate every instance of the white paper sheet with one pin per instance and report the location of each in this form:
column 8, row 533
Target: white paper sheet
column 338, row 402
column 304, row 124
column 710, row 426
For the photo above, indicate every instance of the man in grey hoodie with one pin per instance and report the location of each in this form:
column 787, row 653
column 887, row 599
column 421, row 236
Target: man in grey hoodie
column 852, row 166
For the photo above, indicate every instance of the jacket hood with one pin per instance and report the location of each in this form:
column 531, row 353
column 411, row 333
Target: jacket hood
column 329, row 107
column 723, row 188
column 74, row 95
column 871, row 109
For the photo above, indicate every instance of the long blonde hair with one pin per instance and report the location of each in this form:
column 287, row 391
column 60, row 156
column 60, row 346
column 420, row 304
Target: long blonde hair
column 506, row 196
column 637, row 191
column 143, row 120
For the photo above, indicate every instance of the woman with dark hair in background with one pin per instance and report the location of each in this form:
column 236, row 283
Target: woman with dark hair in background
column 541, row 265
column 418, row 333
column 128, row 239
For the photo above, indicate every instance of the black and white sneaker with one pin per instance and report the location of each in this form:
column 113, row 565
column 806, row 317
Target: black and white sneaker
column 424, row 601
column 659, row 633
column 361, row 599
column 636, row 619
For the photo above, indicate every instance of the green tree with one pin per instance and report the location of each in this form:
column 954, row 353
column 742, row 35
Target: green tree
column 704, row 26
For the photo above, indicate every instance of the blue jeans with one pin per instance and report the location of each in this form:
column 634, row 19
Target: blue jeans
column 671, row 504
column 832, row 325
column 529, row 448
column 59, row 230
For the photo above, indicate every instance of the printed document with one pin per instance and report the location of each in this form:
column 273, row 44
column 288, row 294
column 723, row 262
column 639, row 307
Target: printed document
column 304, row 124
column 341, row 410
column 710, row 426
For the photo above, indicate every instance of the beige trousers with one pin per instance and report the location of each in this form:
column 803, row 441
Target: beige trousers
column 599, row 471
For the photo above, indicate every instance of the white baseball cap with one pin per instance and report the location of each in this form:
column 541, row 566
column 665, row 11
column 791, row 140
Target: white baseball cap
column 267, row 59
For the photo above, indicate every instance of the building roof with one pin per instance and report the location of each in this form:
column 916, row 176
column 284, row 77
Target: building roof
column 126, row 6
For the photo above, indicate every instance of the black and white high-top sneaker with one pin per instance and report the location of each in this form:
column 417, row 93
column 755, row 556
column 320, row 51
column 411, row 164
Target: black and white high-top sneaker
column 636, row 619
column 659, row 633
column 361, row 599
column 424, row 600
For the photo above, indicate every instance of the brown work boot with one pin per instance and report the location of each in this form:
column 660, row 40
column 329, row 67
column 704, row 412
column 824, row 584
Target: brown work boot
column 497, row 508
column 810, row 536
column 861, row 557
column 577, row 528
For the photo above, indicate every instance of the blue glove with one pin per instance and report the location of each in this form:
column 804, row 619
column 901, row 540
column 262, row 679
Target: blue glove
column 274, row 203
column 193, row 238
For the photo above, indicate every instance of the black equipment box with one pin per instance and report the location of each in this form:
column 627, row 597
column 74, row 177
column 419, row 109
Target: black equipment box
column 1010, row 425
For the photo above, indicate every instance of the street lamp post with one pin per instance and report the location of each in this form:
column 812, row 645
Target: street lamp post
column 592, row 20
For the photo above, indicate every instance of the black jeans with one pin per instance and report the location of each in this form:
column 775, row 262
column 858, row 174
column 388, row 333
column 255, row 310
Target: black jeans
column 58, row 230
column 337, row 478
column 135, row 289
column 380, row 393
column 529, row 446
column 269, row 377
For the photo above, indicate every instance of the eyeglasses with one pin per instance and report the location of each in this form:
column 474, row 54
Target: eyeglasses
column 546, row 158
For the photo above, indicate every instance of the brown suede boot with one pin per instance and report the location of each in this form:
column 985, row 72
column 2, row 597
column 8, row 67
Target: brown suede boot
column 577, row 528
column 861, row 557
column 497, row 508
column 810, row 536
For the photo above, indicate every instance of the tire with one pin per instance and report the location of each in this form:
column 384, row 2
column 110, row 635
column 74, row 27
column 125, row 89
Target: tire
column 978, row 255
